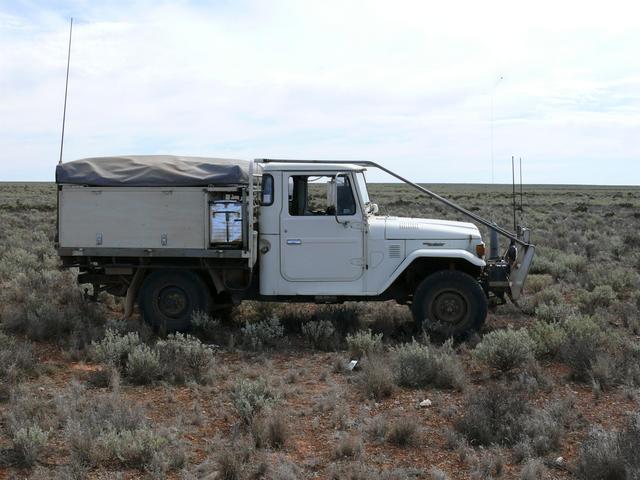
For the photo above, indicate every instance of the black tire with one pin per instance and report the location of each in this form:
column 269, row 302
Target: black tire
column 449, row 304
column 168, row 299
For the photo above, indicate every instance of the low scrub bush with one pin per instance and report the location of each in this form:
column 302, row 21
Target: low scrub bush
column 610, row 454
column 321, row 334
column 114, row 349
column 601, row 296
column 376, row 379
column 554, row 313
column 584, row 341
column 493, row 416
column 28, row 444
column 16, row 359
column 346, row 317
column 250, row 397
column 348, row 446
column 265, row 333
column 416, row 366
column 48, row 305
column 505, row 349
column 143, row 365
column 403, row 432
column 108, row 429
column 184, row 358
column 364, row 343
column 503, row 416
column 548, row 338
column 269, row 431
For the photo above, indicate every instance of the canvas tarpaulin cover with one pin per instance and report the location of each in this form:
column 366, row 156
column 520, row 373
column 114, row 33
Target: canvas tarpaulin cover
column 153, row 171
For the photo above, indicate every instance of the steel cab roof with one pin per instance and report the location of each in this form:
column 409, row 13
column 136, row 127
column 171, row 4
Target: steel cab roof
column 310, row 167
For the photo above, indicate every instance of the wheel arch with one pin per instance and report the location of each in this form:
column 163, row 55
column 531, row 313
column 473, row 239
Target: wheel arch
column 421, row 263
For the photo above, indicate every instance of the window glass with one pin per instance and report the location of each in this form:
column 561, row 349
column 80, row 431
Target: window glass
column 316, row 195
column 362, row 187
column 267, row 190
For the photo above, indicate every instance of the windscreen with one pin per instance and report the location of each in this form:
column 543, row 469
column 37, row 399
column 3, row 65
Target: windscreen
column 362, row 187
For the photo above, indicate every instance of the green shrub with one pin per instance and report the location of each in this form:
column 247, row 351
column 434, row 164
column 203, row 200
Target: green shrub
column 346, row 317
column 602, row 296
column 250, row 397
column 114, row 348
column 547, row 338
column 143, row 365
column 554, row 312
column 505, row 350
column 601, row 457
column 28, row 443
column 184, row 358
column 364, row 343
column 417, row 366
column 584, row 341
column 265, row 333
column 320, row 333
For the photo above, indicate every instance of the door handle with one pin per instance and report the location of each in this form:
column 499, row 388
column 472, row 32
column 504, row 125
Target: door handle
column 295, row 241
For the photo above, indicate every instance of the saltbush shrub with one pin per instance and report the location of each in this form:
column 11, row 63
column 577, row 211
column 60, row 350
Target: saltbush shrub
column 184, row 358
column 28, row 444
column 403, row 432
column 319, row 333
column 376, row 379
column 364, row 343
column 610, row 454
column 416, row 366
column 114, row 348
column 601, row 296
column 583, row 342
column 493, row 416
column 16, row 358
column 265, row 333
column 143, row 365
column 505, row 349
column 250, row 397
column 548, row 338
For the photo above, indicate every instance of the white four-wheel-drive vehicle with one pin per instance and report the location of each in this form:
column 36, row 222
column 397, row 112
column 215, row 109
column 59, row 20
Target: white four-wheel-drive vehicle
column 186, row 234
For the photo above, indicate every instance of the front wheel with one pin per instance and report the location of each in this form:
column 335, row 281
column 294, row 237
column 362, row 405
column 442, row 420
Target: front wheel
column 449, row 303
column 169, row 298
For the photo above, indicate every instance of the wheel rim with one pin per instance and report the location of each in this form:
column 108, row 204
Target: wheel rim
column 172, row 301
column 449, row 307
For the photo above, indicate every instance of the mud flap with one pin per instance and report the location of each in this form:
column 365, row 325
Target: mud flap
column 520, row 270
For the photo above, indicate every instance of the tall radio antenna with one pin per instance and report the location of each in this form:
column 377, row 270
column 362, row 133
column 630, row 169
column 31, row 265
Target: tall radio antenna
column 66, row 88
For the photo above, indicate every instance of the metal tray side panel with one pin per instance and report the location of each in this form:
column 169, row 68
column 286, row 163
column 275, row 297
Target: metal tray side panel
column 133, row 217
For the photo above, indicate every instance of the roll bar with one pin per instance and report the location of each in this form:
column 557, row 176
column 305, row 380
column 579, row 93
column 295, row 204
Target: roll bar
column 435, row 196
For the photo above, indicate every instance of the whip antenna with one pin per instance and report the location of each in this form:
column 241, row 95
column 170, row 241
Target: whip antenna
column 513, row 184
column 66, row 88
column 521, row 206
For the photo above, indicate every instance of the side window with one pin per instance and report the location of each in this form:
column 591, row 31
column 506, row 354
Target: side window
column 267, row 190
column 316, row 195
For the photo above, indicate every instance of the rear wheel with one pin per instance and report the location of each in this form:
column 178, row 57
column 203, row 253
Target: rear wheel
column 449, row 303
column 169, row 298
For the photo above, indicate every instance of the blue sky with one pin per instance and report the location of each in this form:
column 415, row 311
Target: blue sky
column 409, row 84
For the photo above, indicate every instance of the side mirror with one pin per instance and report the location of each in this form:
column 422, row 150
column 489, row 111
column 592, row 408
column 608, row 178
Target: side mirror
column 373, row 209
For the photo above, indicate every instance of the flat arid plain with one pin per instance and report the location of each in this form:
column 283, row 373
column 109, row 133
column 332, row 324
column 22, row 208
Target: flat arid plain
column 548, row 389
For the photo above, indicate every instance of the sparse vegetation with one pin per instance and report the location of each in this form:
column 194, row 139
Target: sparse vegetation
column 84, row 393
column 417, row 366
column 505, row 349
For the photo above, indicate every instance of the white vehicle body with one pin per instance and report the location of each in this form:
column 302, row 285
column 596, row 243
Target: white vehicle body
column 156, row 230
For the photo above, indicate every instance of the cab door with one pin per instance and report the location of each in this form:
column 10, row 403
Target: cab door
column 319, row 240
